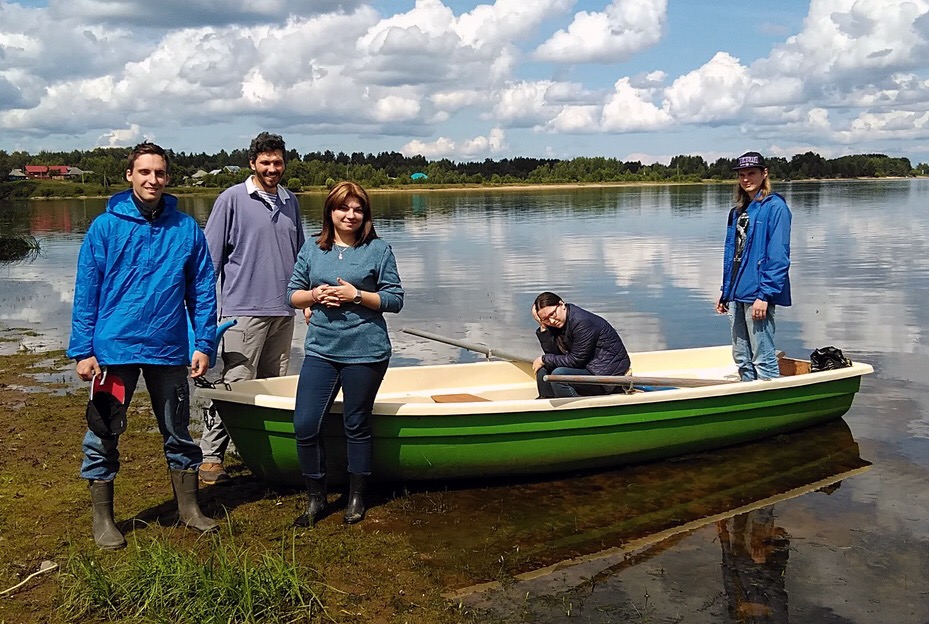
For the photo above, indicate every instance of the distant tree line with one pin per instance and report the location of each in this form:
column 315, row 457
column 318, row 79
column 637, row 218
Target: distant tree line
column 322, row 169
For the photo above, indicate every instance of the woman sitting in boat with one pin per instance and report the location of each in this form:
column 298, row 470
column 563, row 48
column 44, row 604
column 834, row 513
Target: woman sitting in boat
column 348, row 276
column 575, row 342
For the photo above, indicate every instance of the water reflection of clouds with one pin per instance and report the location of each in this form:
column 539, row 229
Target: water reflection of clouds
column 854, row 255
column 38, row 294
column 646, row 258
column 659, row 262
column 853, row 269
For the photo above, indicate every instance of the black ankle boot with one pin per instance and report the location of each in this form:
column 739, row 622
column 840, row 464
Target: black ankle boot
column 355, row 510
column 316, row 493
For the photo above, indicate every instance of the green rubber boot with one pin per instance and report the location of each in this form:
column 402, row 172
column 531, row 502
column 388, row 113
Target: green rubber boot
column 186, row 483
column 106, row 534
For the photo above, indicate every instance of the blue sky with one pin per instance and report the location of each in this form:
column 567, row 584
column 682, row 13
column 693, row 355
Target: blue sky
column 633, row 79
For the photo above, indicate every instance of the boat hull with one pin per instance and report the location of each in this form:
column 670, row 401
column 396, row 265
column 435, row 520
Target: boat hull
column 478, row 440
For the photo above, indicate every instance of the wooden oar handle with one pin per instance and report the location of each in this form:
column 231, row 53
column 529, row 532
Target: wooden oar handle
column 470, row 346
column 619, row 380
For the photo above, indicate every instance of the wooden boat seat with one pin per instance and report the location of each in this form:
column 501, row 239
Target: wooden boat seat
column 457, row 398
column 792, row 366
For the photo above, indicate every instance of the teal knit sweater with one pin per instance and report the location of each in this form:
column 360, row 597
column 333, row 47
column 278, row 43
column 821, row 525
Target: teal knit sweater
column 351, row 333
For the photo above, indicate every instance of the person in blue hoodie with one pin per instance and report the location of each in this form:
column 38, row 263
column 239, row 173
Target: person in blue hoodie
column 143, row 270
column 756, row 263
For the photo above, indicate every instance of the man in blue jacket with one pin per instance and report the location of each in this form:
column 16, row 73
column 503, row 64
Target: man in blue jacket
column 756, row 264
column 143, row 270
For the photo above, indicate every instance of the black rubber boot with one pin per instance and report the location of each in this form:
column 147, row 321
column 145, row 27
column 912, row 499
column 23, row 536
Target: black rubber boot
column 106, row 533
column 186, row 483
column 316, row 494
column 355, row 510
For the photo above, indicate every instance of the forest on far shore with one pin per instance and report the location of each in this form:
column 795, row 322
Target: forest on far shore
column 104, row 167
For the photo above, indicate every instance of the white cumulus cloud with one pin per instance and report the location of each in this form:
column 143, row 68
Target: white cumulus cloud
column 444, row 147
column 714, row 92
column 576, row 119
column 523, row 104
column 613, row 35
column 632, row 110
column 122, row 137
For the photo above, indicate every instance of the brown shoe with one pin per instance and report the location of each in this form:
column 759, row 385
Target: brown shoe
column 212, row 473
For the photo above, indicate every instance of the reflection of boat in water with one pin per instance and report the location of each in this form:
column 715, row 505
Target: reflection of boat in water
column 482, row 420
column 475, row 535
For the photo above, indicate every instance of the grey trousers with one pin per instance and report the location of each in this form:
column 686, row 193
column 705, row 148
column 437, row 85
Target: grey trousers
column 257, row 347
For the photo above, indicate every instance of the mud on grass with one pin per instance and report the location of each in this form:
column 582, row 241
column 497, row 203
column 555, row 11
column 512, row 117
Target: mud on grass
column 359, row 573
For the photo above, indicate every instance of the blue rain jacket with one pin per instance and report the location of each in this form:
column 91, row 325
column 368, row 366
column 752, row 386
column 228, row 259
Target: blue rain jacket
column 138, row 283
column 763, row 273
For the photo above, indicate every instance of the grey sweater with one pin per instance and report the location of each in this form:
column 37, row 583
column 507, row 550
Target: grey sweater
column 254, row 250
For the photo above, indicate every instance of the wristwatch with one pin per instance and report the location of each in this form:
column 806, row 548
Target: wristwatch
column 357, row 298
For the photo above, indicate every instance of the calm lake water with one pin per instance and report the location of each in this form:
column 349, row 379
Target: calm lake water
column 756, row 533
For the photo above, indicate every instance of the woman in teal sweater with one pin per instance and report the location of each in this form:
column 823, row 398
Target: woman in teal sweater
column 348, row 277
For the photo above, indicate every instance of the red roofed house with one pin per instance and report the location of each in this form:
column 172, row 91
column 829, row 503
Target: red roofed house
column 59, row 172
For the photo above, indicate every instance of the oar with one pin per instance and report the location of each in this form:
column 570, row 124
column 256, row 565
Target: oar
column 470, row 346
column 572, row 379
column 619, row 380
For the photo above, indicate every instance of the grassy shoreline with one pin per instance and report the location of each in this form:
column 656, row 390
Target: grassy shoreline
column 359, row 573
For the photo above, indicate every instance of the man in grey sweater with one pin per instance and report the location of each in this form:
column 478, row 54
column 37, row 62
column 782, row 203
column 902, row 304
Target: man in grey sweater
column 254, row 234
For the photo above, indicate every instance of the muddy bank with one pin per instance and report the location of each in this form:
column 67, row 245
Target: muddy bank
column 798, row 528
column 368, row 575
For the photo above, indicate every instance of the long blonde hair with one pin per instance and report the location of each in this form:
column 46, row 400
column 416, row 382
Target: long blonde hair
column 741, row 197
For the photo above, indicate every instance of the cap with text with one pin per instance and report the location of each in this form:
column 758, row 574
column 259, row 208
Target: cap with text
column 749, row 160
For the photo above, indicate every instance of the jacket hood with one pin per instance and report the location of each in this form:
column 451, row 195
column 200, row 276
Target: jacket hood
column 122, row 204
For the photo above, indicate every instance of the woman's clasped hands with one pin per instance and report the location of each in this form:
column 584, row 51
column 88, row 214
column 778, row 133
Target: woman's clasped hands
column 333, row 296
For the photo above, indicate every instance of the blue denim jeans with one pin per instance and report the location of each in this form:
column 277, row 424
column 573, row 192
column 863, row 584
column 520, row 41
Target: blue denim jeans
column 753, row 342
column 319, row 383
column 553, row 390
column 170, row 393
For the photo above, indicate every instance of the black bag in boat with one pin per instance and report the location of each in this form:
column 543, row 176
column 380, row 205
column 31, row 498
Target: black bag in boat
column 828, row 358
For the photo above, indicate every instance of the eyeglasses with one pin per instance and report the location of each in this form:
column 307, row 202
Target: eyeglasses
column 551, row 315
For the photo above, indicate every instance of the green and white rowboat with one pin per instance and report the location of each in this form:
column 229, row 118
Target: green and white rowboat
column 482, row 420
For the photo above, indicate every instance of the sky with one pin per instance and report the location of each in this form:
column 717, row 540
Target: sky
column 631, row 79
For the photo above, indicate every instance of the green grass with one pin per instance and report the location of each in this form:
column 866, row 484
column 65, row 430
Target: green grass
column 223, row 582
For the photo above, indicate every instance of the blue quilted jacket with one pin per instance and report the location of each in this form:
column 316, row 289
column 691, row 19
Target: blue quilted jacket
column 591, row 343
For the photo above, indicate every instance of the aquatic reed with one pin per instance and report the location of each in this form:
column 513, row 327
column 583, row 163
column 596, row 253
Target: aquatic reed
column 155, row 581
column 18, row 247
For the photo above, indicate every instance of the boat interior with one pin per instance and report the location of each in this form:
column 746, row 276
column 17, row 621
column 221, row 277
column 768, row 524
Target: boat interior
column 504, row 386
column 495, row 380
